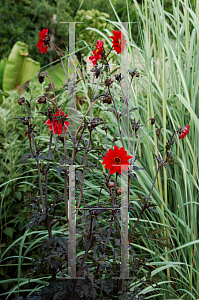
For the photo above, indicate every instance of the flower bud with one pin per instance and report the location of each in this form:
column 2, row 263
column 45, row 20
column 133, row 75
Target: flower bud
column 134, row 73
column 135, row 125
column 97, row 71
column 21, row 101
column 41, row 77
column 108, row 82
column 25, row 122
column 94, row 212
column 120, row 190
column 107, row 100
column 42, row 99
column 110, row 184
column 118, row 77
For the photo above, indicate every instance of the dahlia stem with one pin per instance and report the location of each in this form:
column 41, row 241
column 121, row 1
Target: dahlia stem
column 52, row 88
column 133, row 159
column 65, row 176
column 87, row 113
column 80, row 195
column 38, row 166
column 46, row 174
column 39, row 175
column 118, row 124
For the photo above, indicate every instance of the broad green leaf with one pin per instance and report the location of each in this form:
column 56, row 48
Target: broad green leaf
column 9, row 231
column 2, row 67
column 19, row 67
column 56, row 74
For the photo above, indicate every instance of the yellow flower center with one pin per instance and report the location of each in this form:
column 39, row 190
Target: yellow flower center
column 119, row 41
column 117, row 160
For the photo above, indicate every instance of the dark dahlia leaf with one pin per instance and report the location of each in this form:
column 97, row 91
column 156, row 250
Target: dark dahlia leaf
column 96, row 258
column 155, row 231
column 51, row 156
column 59, row 170
column 134, row 176
column 86, row 290
column 115, row 254
column 25, row 157
column 110, row 109
column 63, row 242
column 42, row 218
column 79, row 176
column 29, row 225
column 133, row 108
column 57, row 295
column 56, row 265
column 153, row 209
column 135, row 168
column 42, row 156
column 62, row 274
column 165, row 244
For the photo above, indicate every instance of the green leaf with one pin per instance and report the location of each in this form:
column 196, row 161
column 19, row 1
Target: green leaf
column 18, row 195
column 1, row 271
column 90, row 93
column 9, row 231
column 57, row 75
column 2, row 67
column 19, row 67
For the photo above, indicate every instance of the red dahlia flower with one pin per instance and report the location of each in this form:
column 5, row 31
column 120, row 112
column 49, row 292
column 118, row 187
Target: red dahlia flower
column 43, row 42
column 97, row 53
column 184, row 131
column 118, row 42
column 114, row 160
column 57, row 125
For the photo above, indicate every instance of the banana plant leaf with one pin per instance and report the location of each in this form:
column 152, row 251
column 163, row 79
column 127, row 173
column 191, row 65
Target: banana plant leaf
column 2, row 67
column 19, row 67
column 56, row 74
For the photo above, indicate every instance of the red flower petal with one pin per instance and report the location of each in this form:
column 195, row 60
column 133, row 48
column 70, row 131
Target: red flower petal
column 48, row 122
column 57, row 125
column 97, row 53
column 184, row 131
column 118, row 42
column 41, row 45
column 109, row 160
column 67, row 123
